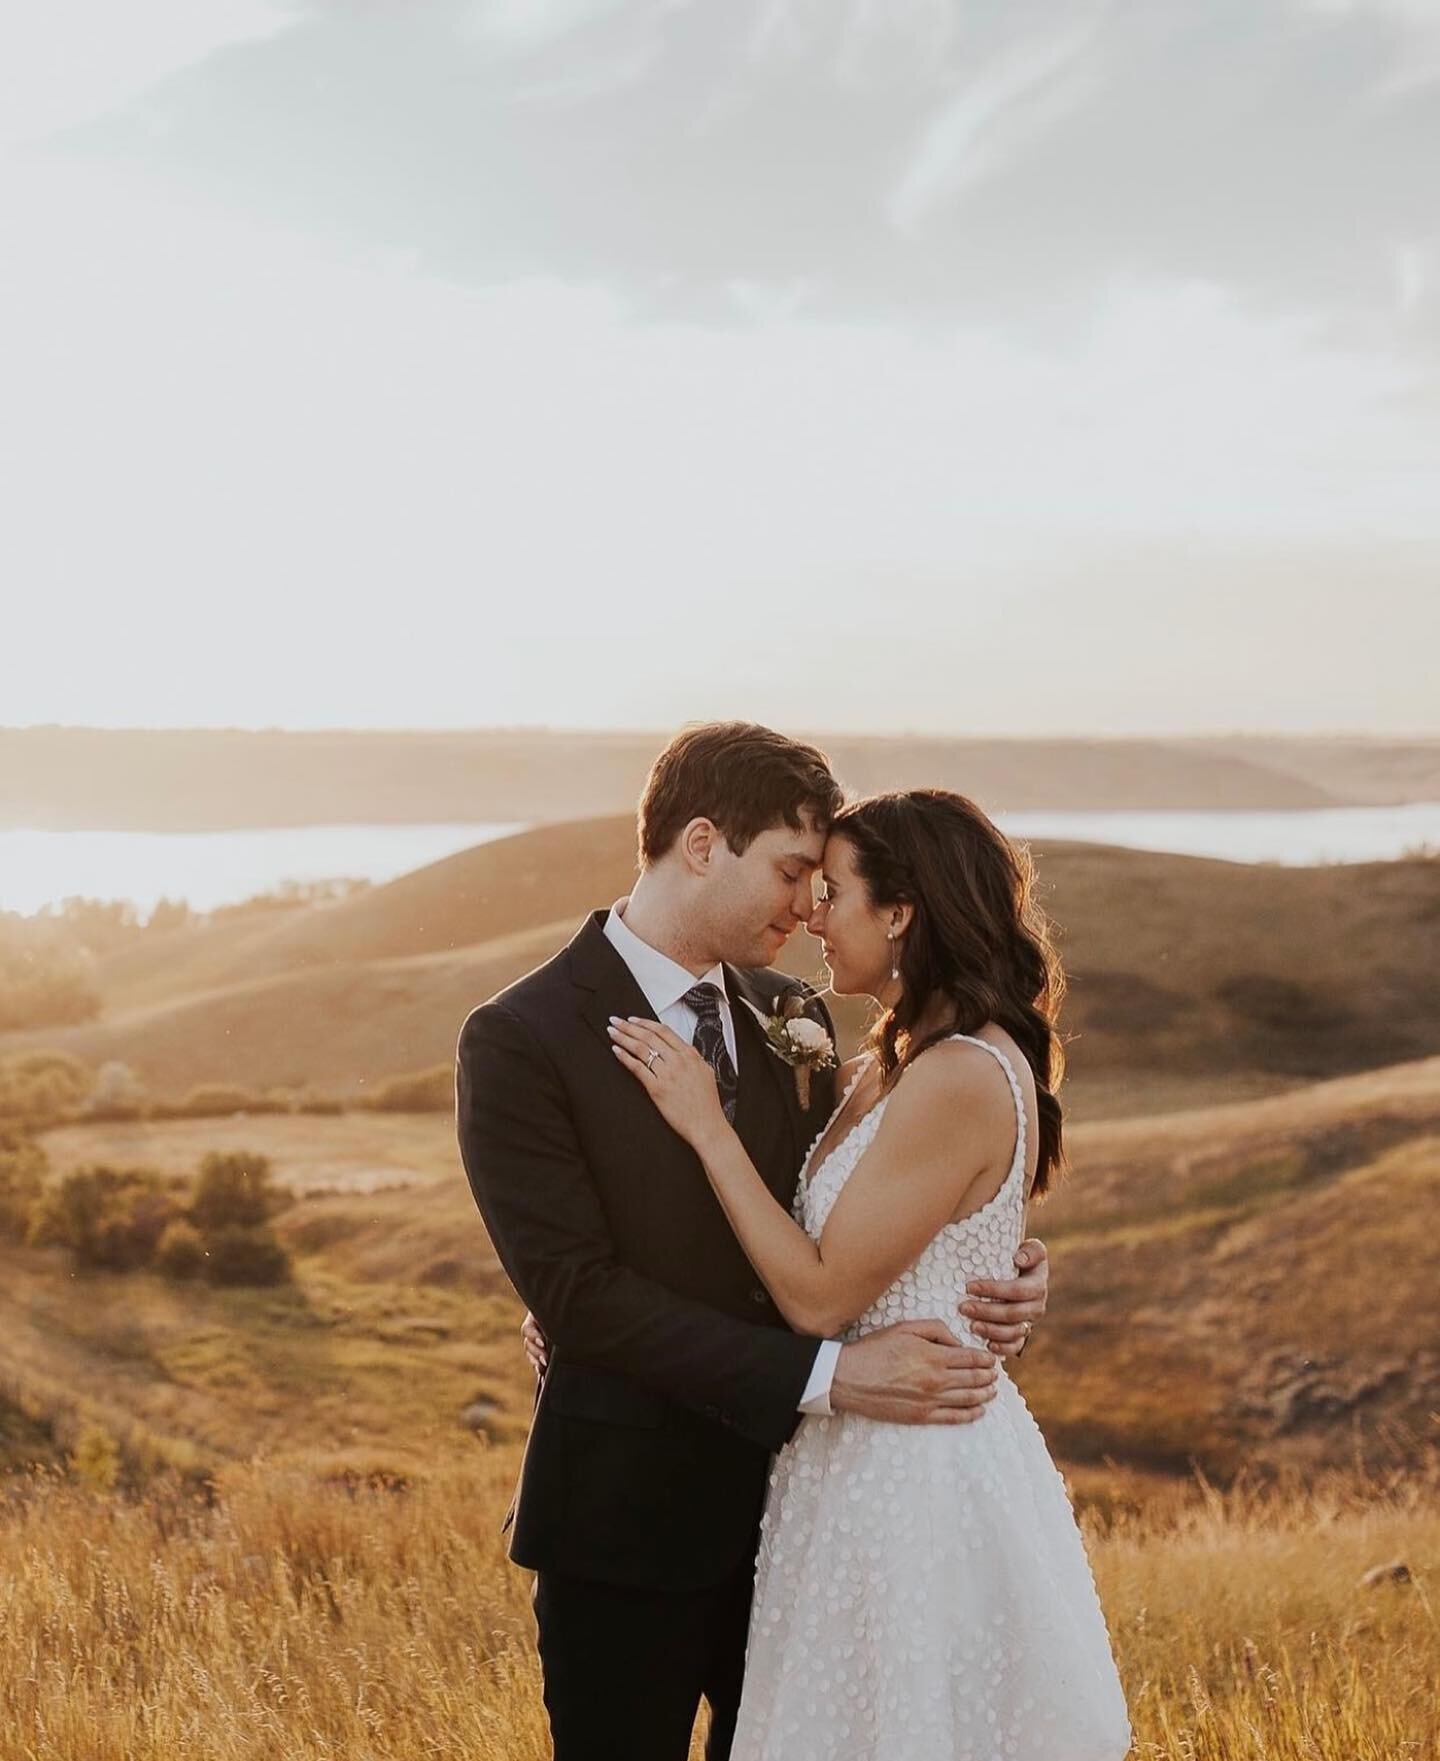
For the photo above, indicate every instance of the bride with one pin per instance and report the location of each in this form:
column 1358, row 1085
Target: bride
column 922, row 1592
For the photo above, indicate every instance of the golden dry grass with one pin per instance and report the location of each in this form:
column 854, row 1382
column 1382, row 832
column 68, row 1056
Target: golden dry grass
column 1216, row 1297
column 294, row 1618
column 374, row 1374
column 307, row 1615
column 1215, row 1300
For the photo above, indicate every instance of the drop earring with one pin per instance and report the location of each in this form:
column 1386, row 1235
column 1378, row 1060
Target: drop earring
column 894, row 955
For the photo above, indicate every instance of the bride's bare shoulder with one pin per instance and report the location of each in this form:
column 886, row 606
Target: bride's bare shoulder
column 953, row 1074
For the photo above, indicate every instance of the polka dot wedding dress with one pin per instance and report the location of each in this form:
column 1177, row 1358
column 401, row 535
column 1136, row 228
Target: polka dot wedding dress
column 922, row 1591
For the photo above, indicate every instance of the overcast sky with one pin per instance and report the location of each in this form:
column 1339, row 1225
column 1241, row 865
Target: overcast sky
column 997, row 367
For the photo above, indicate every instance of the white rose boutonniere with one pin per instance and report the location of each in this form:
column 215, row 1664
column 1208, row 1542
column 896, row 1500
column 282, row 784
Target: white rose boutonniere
column 801, row 1042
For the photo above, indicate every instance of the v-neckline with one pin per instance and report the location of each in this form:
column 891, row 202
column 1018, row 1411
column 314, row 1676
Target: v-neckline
column 811, row 1167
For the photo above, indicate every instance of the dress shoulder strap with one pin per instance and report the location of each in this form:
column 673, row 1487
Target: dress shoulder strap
column 1016, row 1091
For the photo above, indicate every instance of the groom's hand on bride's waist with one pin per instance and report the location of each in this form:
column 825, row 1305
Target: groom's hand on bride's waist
column 1003, row 1311
column 914, row 1373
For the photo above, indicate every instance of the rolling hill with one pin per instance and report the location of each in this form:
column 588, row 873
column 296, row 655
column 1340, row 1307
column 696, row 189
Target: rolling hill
column 1248, row 1285
column 195, row 779
column 478, row 896
column 1191, row 980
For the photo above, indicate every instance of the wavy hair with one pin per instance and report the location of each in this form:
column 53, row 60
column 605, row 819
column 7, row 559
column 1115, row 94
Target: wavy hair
column 978, row 938
column 743, row 777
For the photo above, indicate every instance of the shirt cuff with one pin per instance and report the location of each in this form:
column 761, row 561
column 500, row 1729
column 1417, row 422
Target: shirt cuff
column 816, row 1398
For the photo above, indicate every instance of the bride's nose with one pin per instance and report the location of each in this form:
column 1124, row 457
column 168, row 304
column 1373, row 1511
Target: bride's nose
column 815, row 922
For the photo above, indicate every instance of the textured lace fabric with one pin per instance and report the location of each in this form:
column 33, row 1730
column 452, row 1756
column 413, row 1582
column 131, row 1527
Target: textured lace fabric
column 922, row 1591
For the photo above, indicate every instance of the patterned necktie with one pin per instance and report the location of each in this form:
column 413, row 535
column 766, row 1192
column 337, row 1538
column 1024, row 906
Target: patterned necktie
column 704, row 999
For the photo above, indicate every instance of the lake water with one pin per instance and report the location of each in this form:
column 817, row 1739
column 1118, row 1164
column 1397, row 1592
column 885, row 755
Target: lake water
column 1330, row 834
column 220, row 868
column 215, row 868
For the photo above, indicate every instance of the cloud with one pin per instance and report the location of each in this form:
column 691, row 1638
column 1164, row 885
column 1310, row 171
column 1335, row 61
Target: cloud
column 910, row 163
column 393, row 339
column 68, row 61
column 1026, row 91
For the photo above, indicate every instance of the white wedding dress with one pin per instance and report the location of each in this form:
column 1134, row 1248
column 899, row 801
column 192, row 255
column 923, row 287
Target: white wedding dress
column 922, row 1592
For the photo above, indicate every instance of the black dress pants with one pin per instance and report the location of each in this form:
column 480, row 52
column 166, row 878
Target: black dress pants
column 625, row 1669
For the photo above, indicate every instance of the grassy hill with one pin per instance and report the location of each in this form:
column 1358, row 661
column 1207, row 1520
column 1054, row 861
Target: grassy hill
column 1249, row 1284
column 1242, row 1284
column 482, row 895
column 1191, row 980
column 339, row 1026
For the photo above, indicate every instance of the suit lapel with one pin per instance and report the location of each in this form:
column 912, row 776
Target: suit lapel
column 596, row 966
column 609, row 988
column 768, row 1119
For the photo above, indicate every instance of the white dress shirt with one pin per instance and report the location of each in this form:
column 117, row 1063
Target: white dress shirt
column 665, row 983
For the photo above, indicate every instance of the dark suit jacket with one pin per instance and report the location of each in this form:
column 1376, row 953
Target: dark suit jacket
column 672, row 1375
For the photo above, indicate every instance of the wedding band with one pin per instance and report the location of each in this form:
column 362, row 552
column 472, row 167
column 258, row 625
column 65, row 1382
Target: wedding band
column 653, row 1056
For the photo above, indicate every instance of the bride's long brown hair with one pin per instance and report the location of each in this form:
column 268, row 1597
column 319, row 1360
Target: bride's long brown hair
column 978, row 938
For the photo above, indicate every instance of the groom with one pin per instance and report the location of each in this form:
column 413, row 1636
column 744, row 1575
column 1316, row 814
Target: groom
column 672, row 1377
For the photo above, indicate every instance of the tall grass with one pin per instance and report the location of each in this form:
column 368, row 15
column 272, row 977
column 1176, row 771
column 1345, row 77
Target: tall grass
column 291, row 1617
column 1244, row 1630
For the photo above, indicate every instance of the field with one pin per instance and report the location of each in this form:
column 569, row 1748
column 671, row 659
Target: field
column 1216, row 1299
column 341, row 1590
column 257, row 1522
column 293, row 1617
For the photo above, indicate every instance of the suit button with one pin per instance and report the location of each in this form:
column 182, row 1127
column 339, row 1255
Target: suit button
column 759, row 1296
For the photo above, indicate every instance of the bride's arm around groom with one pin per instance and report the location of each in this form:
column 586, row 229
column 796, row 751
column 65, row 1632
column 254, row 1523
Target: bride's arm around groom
column 535, row 1187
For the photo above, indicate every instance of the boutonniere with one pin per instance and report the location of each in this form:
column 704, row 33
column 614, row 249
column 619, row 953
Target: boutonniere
column 801, row 1042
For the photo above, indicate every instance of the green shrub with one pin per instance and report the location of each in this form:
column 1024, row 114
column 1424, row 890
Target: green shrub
column 109, row 1218
column 181, row 1251
column 218, row 1100
column 420, row 1091
column 23, row 1166
column 118, row 1093
column 42, row 1086
column 168, row 914
column 233, row 1190
column 246, row 1256
column 317, row 1105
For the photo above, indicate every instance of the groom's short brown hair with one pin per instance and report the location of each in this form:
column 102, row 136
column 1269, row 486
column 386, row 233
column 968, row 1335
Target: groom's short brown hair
column 743, row 777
